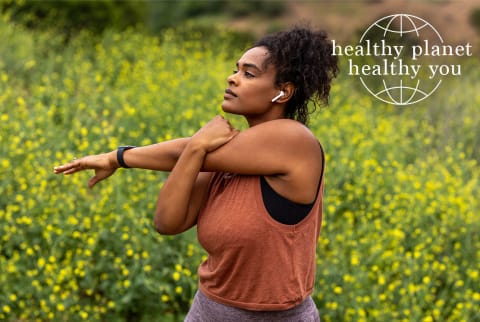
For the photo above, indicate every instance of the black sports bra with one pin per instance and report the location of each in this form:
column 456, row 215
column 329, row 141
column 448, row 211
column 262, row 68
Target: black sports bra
column 283, row 210
column 280, row 208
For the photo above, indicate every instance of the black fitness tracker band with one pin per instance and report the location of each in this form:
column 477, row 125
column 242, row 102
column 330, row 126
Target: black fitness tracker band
column 120, row 151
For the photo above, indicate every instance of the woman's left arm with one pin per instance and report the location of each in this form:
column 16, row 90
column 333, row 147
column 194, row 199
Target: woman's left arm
column 185, row 189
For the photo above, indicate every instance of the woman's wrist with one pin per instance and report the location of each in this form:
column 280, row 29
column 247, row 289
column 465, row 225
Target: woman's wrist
column 197, row 146
column 112, row 159
column 160, row 156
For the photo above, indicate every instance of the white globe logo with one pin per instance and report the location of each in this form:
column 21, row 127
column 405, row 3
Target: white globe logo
column 400, row 89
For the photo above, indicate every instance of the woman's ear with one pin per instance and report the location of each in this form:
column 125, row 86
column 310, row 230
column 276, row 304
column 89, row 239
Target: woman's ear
column 288, row 90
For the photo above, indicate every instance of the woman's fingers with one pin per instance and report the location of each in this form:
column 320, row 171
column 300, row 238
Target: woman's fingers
column 64, row 168
column 234, row 133
column 100, row 174
column 69, row 168
column 93, row 181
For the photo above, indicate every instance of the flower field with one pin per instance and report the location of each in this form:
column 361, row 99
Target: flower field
column 401, row 234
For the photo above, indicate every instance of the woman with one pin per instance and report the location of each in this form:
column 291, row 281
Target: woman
column 255, row 195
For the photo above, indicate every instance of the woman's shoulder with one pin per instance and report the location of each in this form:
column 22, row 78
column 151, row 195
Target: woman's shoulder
column 290, row 130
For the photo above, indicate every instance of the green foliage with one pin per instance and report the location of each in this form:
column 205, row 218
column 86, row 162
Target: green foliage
column 169, row 13
column 70, row 16
column 400, row 237
column 73, row 15
column 264, row 7
column 398, row 242
column 475, row 19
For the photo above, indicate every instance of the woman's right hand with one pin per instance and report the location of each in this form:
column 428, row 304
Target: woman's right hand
column 214, row 134
column 104, row 165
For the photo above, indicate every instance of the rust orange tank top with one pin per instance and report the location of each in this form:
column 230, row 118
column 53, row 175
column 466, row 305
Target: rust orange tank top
column 255, row 262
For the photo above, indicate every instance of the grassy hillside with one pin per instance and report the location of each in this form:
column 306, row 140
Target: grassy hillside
column 400, row 238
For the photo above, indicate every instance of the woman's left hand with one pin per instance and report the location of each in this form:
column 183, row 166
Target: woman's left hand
column 104, row 165
column 214, row 134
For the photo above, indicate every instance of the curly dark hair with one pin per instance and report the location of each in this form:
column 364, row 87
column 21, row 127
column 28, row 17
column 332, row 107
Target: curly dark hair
column 305, row 58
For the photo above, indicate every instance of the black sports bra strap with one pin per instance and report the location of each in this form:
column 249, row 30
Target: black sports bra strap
column 284, row 210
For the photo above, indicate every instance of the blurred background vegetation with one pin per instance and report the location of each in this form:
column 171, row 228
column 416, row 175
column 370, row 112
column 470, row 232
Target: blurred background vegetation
column 459, row 20
column 400, row 240
column 70, row 16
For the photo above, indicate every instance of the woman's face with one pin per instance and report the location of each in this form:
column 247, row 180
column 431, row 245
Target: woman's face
column 251, row 87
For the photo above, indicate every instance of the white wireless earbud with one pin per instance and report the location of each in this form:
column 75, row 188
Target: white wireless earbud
column 278, row 96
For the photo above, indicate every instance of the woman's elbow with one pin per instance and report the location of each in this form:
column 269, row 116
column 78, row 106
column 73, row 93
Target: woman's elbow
column 163, row 226
column 160, row 226
column 162, row 229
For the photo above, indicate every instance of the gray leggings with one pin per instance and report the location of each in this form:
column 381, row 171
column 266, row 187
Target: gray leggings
column 205, row 310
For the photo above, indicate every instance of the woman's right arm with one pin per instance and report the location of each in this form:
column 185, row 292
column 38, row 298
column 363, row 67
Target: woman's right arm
column 160, row 156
